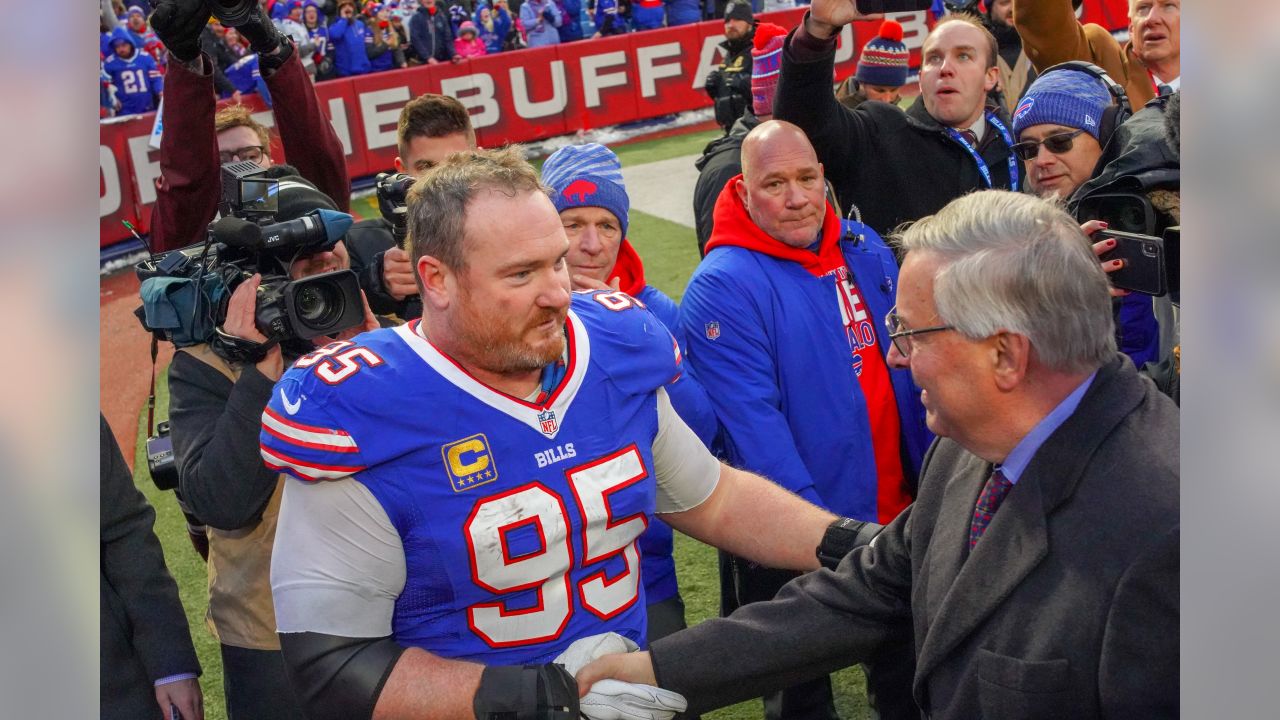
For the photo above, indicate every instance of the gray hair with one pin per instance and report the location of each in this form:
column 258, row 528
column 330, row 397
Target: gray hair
column 1018, row 263
column 437, row 203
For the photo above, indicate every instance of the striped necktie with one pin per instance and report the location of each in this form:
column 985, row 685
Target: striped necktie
column 993, row 493
column 970, row 137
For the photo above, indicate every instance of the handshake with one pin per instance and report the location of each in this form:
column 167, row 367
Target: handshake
column 595, row 661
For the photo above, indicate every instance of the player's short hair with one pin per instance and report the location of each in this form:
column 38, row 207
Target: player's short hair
column 432, row 115
column 237, row 115
column 1013, row 261
column 438, row 201
column 993, row 47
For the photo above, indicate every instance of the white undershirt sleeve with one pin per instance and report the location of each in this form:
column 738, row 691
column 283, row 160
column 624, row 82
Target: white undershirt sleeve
column 337, row 566
column 686, row 471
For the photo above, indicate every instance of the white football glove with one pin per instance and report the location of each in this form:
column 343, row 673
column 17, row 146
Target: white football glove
column 617, row 700
column 584, row 650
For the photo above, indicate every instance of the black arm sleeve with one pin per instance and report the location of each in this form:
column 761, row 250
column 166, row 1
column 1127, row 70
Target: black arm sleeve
column 338, row 678
column 214, row 425
column 842, row 537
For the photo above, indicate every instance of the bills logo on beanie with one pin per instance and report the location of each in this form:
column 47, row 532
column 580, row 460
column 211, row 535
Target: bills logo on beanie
column 766, row 61
column 587, row 176
column 884, row 58
column 1024, row 107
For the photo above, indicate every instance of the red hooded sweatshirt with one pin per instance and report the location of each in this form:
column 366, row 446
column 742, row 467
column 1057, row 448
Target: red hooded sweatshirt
column 733, row 226
column 628, row 269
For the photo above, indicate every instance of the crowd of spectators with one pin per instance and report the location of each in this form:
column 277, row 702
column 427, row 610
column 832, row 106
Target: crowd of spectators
column 967, row 395
column 343, row 38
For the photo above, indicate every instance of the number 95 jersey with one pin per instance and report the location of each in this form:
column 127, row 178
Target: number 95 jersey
column 516, row 520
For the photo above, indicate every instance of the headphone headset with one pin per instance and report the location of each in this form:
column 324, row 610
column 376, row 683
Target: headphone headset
column 1119, row 111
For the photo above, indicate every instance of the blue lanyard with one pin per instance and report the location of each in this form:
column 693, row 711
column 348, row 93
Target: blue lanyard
column 982, row 164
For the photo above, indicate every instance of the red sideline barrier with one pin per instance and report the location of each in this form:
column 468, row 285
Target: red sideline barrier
column 513, row 97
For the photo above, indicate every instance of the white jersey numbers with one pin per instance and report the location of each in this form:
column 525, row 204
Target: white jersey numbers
column 519, row 540
column 336, row 361
column 494, row 568
column 617, row 300
column 604, row 535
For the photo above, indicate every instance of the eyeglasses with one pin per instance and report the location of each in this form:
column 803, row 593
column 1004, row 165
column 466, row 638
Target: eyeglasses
column 248, row 153
column 1056, row 144
column 901, row 335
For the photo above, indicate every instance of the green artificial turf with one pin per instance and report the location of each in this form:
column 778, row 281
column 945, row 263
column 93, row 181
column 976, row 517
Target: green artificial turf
column 665, row 148
column 669, row 251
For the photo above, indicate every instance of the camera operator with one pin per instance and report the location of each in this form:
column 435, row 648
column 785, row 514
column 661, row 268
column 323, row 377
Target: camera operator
column 1142, row 179
column 1078, row 143
column 729, row 84
column 431, row 127
column 215, row 408
column 187, row 197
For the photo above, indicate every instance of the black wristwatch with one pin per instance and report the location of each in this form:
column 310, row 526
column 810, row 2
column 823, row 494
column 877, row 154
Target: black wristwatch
column 842, row 536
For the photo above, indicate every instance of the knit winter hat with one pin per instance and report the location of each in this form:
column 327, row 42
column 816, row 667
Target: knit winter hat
column 1063, row 97
column 587, row 176
column 298, row 196
column 884, row 58
column 136, row 9
column 739, row 11
column 467, row 27
column 766, row 61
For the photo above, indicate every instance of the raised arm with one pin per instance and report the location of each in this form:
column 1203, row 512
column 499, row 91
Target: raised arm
column 1051, row 35
column 309, row 140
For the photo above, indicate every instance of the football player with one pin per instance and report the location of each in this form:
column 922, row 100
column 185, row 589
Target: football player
column 468, row 488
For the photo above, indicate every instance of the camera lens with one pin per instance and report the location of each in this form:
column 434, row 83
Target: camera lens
column 1132, row 219
column 319, row 304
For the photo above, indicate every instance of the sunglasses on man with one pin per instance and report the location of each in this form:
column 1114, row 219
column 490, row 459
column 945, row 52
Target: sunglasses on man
column 1057, row 144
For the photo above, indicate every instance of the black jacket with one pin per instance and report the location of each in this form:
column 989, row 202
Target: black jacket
column 215, row 425
column 366, row 243
column 893, row 165
column 730, row 84
column 144, row 633
column 721, row 160
column 1137, row 159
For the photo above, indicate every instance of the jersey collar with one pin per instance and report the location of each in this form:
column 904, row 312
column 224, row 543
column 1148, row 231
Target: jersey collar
column 546, row 417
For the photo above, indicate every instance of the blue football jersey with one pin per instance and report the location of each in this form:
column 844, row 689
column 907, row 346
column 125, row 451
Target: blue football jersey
column 518, row 520
column 138, row 82
column 243, row 74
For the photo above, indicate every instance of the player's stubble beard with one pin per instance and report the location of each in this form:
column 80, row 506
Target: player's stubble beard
column 496, row 347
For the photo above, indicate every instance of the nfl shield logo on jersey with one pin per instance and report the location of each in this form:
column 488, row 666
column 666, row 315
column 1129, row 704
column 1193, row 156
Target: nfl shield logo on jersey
column 547, row 419
column 713, row 330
